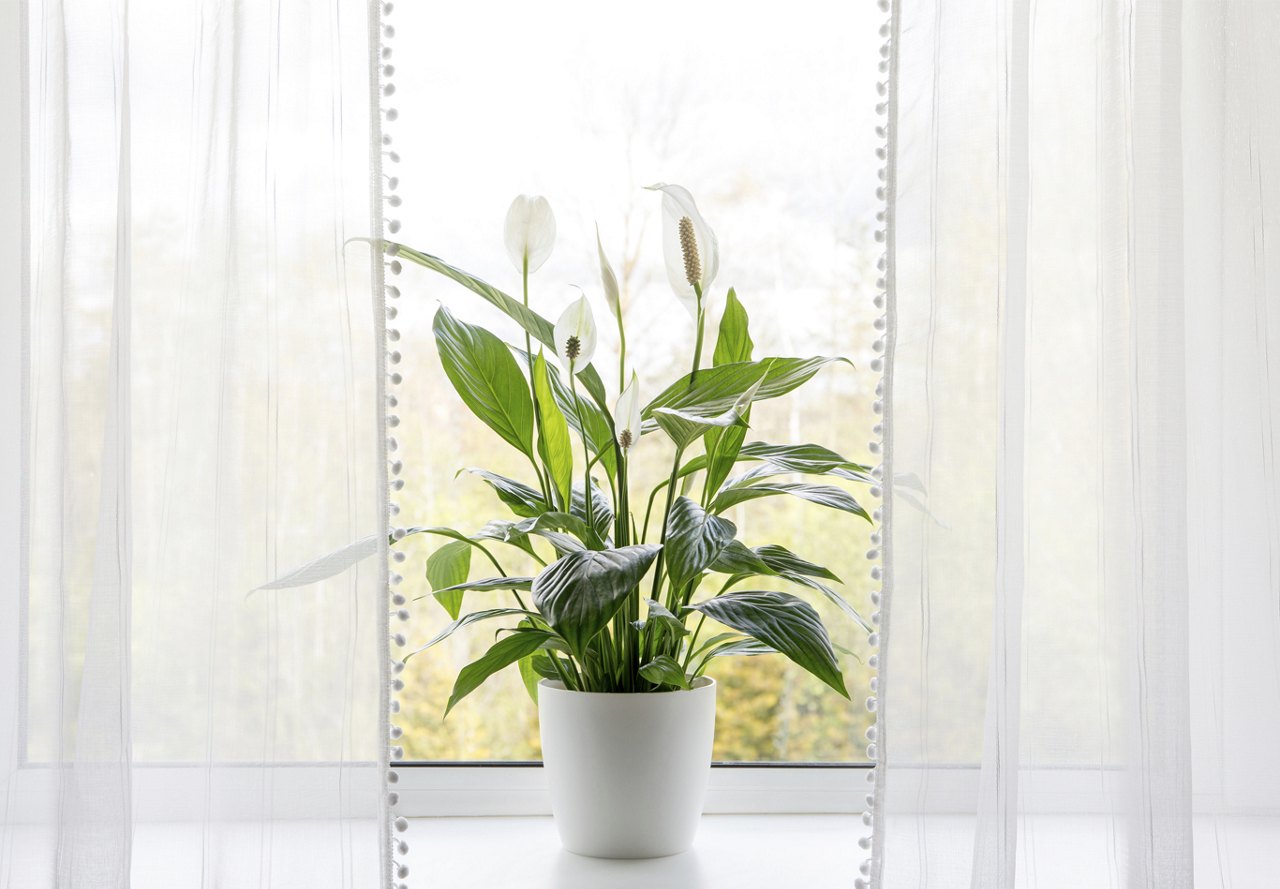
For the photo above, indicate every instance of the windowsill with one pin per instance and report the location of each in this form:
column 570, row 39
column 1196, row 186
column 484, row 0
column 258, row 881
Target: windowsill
column 731, row 852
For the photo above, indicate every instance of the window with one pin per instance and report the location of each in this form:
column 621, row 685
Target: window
column 770, row 121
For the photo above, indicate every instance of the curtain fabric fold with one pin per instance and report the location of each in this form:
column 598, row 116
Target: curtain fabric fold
column 201, row 415
column 1079, row 678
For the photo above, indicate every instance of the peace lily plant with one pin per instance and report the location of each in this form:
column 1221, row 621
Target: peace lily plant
column 626, row 585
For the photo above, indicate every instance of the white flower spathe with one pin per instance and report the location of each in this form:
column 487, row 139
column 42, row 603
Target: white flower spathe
column 627, row 414
column 530, row 231
column 610, row 281
column 575, row 334
column 677, row 204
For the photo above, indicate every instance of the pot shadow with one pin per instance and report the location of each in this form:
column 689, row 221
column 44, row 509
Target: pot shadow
column 570, row 871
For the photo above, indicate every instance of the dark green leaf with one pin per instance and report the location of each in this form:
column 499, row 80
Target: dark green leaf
column 579, row 593
column 601, row 514
column 465, row 621
column 733, row 342
column 780, row 559
column 659, row 616
column 737, row 558
column 528, row 673
column 554, row 445
column 503, row 653
column 519, row 497
column 487, row 378
column 538, row 327
column 447, row 567
column 823, row 495
column 665, row 670
column 694, row 539
column 783, row 622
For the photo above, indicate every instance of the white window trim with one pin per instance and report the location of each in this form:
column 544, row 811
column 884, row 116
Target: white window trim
column 436, row 790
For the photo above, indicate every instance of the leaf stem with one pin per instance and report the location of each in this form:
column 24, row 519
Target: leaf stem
column 533, row 390
column 586, row 450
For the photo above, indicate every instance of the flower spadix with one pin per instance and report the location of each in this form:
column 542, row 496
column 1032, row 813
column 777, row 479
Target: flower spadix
column 575, row 334
column 530, row 231
column 627, row 414
column 689, row 246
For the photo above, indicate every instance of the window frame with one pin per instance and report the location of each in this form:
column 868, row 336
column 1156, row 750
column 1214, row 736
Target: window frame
column 476, row 789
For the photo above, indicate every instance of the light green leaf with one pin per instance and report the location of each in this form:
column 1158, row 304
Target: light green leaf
column 823, row 495
column 538, row 327
column 554, row 446
column 694, row 539
column 503, row 653
column 717, row 388
column 528, row 672
column 486, row 376
column 447, row 567
column 733, row 342
column 465, row 621
column 665, row 670
column 486, row 584
column 579, row 593
column 529, row 676
column 808, row 459
column 783, row 622
column 721, row 447
column 684, row 427
column 585, row 417
column 326, row 566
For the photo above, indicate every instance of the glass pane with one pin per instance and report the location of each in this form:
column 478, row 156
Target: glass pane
column 769, row 120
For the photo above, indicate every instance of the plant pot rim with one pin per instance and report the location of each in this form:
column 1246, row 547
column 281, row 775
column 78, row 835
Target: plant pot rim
column 702, row 683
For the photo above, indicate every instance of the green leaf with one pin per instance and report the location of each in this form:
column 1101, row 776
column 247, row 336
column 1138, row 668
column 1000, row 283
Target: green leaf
column 554, row 525
column 781, row 559
column 326, row 566
column 538, row 327
column 684, row 427
column 831, row 596
column 660, row 617
column 665, row 670
column 584, row 417
column 519, row 497
column 464, row 621
column 808, row 459
column 540, row 661
column 486, row 376
column 447, row 567
column 783, row 622
column 717, row 388
column 733, row 342
column 601, row 514
column 503, row 653
column 737, row 558
column 725, row 644
column 554, row 445
column 722, row 447
column 486, row 584
column 694, row 539
column 528, row 673
column 529, row 676
column 579, row 593
column 823, row 495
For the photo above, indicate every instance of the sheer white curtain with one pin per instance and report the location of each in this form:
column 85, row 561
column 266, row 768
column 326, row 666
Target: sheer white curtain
column 1081, row 676
column 201, row 413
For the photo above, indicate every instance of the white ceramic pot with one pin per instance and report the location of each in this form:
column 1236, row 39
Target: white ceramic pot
column 628, row 772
